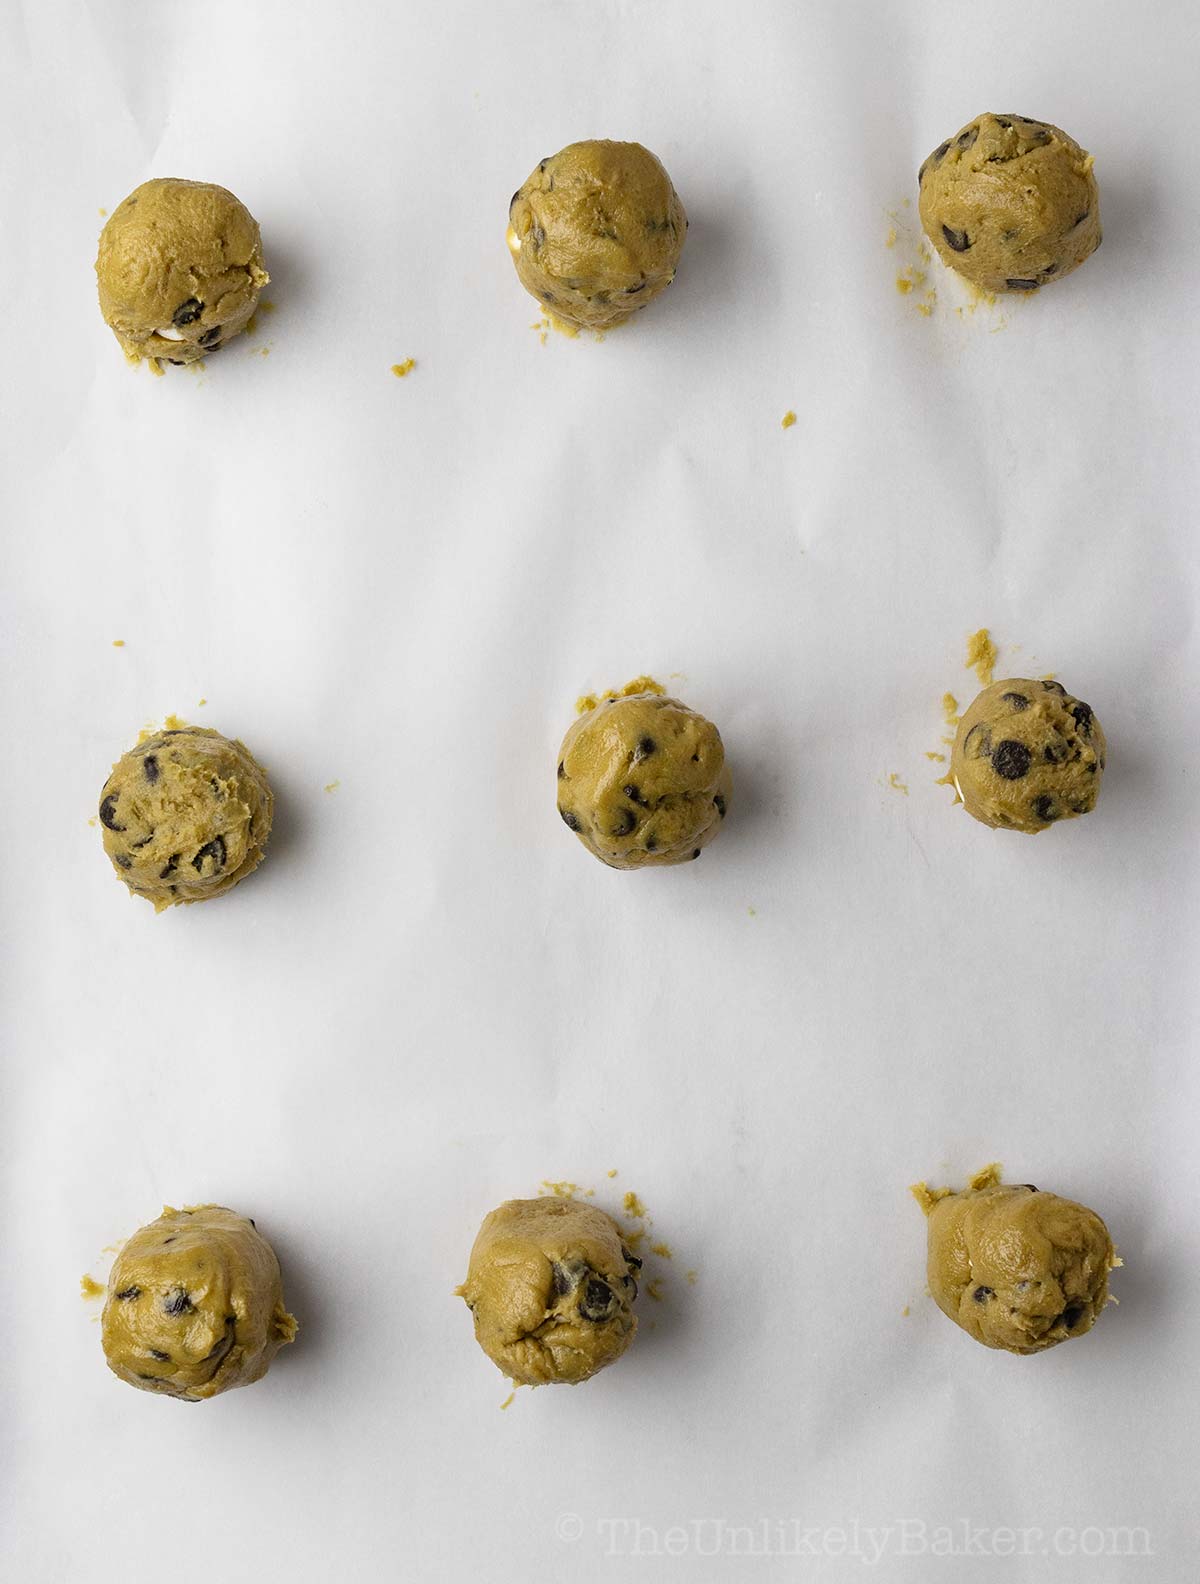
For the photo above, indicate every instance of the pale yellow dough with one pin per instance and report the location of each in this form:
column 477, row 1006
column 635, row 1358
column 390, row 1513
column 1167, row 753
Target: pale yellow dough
column 1016, row 1268
column 186, row 815
column 1010, row 203
column 1026, row 755
column 550, row 1287
column 195, row 1305
column 642, row 779
column 179, row 270
column 596, row 232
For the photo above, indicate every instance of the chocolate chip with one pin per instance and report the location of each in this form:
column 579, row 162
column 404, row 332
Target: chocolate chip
column 982, row 1294
column 1055, row 752
column 512, row 201
column 571, row 821
column 211, row 338
column 163, row 1358
column 1010, row 236
column 958, row 240
column 175, row 362
column 719, row 804
column 1072, row 1315
column 634, row 796
column 1091, row 769
column 1079, row 219
column 696, row 854
column 597, row 1301
column 977, row 744
column 150, row 768
column 562, row 771
column 548, row 297
column 149, row 1377
column 188, row 312
column 1049, row 269
column 1019, row 283
column 646, row 746
column 651, row 844
column 628, row 822
column 630, row 290
column 939, row 153
column 1018, row 701
column 538, row 236
column 215, row 850
column 108, row 813
column 1083, row 717
column 1011, row 759
column 223, row 1344
column 1044, row 807
column 169, row 867
column 965, row 140
column 543, row 163
column 1030, row 1186
column 1003, row 121
column 123, row 860
column 561, row 1277
column 630, row 1259
column 1054, row 687
column 178, row 1303
column 127, row 1294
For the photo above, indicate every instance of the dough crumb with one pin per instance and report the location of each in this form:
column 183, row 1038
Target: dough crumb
column 89, row 1287
column 266, row 307
column 663, row 1250
column 693, row 1277
column 788, row 419
column 981, row 656
column 333, row 786
column 400, row 370
column 890, row 239
column 118, row 643
column 508, row 1400
column 906, row 1311
column 103, row 213
column 200, row 703
column 949, row 709
column 634, row 1206
column 896, row 784
column 634, row 1240
column 564, row 1190
column 654, row 1289
column 909, row 280
column 612, row 1173
column 940, row 758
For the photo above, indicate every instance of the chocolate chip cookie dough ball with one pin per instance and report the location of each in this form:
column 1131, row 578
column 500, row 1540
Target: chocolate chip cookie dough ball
column 642, row 779
column 1010, row 203
column 550, row 1288
column 596, row 232
column 180, row 268
column 1016, row 1268
column 1027, row 754
column 186, row 815
column 195, row 1305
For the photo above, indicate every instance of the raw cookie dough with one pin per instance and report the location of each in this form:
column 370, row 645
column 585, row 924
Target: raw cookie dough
column 551, row 1287
column 195, row 1305
column 1010, row 203
column 180, row 268
column 596, row 232
column 642, row 779
column 186, row 815
column 1027, row 754
column 1016, row 1268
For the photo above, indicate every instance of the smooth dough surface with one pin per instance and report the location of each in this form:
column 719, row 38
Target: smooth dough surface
column 1016, row 1268
column 642, row 779
column 1010, row 203
column 195, row 1305
column 179, row 270
column 550, row 1287
column 1027, row 754
column 186, row 815
column 596, row 232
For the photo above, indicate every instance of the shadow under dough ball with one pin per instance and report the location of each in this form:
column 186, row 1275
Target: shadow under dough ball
column 1011, row 204
column 642, row 779
column 179, row 270
column 186, row 815
column 1016, row 1268
column 596, row 232
column 195, row 1305
column 1026, row 755
column 550, row 1287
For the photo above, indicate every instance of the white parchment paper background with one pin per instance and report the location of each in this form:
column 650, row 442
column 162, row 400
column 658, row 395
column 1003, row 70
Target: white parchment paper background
column 430, row 999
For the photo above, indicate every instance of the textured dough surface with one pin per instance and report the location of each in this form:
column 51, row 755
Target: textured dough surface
column 186, row 815
column 551, row 1288
column 195, row 1305
column 1010, row 203
column 596, row 232
column 1027, row 754
column 179, row 269
column 642, row 779
column 1016, row 1268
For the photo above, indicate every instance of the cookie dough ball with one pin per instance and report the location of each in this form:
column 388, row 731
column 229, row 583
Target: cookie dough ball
column 551, row 1287
column 1027, row 754
column 180, row 268
column 596, row 232
column 186, row 815
column 642, row 779
column 1010, row 203
column 1016, row 1268
column 195, row 1305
